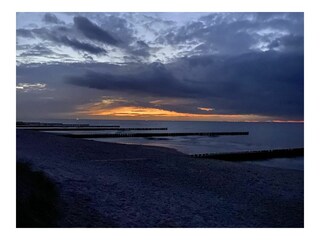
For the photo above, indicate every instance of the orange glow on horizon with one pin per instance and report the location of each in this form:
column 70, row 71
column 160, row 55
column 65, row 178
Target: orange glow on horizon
column 288, row 121
column 148, row 113
column 120, row 109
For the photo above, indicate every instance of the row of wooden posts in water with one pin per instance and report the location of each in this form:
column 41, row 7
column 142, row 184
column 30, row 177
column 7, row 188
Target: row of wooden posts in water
column 177, row 134
column 253, row 155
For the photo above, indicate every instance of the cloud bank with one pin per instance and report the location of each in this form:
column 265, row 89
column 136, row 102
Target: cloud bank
column 217, row 63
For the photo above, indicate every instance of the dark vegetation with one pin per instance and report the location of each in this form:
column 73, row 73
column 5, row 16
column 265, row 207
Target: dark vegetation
column 37, row 199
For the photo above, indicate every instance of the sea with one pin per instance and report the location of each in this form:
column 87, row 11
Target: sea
column 262, row 136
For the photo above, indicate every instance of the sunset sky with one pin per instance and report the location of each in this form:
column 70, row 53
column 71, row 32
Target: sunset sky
column 160, row 66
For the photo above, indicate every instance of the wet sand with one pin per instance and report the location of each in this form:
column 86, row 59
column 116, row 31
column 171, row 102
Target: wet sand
column 115, row 185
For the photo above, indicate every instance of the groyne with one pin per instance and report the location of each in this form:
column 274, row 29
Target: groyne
column 121, row 135
column 253, row 155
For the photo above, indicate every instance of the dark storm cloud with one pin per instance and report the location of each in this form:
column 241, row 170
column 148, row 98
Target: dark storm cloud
column 92, row 31
column 51, row 19
column 257, row 83
column 154, row 80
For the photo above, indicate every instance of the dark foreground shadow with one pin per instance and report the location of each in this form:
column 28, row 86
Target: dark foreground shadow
column 37, row 199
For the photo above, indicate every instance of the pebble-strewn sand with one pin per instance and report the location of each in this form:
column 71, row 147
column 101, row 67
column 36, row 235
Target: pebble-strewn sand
column 115, row 185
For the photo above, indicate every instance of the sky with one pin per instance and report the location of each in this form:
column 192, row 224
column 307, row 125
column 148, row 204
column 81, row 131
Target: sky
column 160, row 66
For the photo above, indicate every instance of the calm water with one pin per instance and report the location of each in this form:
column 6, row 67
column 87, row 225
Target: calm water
column 261, row 136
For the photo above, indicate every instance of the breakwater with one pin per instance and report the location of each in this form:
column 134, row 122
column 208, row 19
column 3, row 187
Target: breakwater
column 254, row 155
column 120, row 135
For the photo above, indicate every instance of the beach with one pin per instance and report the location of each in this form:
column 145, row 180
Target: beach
column 102, row 184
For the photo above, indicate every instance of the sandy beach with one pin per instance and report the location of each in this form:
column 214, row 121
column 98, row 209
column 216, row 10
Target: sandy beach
column 116, row 185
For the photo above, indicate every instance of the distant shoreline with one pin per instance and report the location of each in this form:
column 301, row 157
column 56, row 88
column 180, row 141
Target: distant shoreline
column 116, row 185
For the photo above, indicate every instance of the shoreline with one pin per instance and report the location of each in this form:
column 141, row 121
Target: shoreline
column 118, row 185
